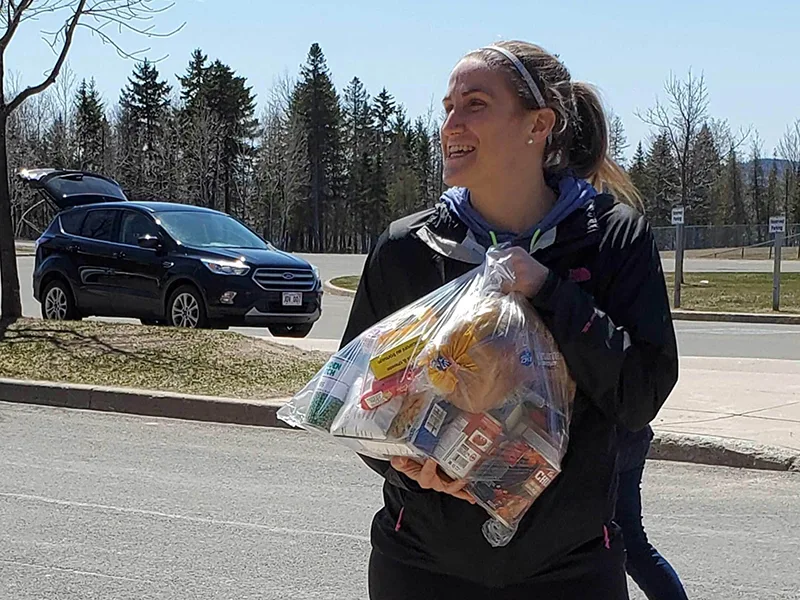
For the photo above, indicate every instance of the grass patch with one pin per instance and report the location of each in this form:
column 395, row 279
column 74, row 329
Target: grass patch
column 348, row 282
column 723, row 292
column 203, row 362
column 760, row 253
column 736, row 292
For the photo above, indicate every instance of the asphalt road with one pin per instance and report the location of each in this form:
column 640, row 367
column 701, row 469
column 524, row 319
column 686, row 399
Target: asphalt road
column 98, row 506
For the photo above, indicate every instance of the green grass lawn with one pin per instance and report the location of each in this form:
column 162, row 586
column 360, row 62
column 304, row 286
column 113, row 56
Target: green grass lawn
column 736, row 292
column 348, row 282
column 206, row 362
column 723, row 292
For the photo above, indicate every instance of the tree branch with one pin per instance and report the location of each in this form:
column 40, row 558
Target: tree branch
column 14, row 17
column 68, row 35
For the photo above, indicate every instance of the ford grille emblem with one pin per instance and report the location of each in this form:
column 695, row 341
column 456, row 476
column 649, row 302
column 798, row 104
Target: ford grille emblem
column 288, row 276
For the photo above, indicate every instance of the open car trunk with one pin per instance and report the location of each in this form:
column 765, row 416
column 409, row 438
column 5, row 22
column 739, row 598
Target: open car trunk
column 65, row 189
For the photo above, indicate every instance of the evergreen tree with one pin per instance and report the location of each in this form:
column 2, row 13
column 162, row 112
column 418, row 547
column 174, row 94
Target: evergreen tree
column 705, row 172
column 734, row 190
column 773, row 191
column 144, row 108
column 662, row 181
column 91, row 127
column 758, row 199
column 638, row 171
column 193, row 82
column 358, row 143
column 316, row 103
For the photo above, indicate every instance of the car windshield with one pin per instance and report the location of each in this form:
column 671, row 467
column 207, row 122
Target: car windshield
column 208, row 230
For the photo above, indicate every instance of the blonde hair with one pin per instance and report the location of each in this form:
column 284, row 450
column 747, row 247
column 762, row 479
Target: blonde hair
column 579, row 141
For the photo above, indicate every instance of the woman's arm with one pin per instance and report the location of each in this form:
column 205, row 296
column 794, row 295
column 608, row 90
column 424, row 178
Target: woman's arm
column 624, row 358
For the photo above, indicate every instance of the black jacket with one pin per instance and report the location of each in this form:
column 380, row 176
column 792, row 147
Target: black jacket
column 606, row 304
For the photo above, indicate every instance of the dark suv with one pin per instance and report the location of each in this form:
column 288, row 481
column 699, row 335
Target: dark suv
column 163, row 263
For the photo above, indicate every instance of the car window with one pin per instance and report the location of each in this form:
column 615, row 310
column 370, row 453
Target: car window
column 209, row 230
column 71, row 221
column 133, row 226
column 99, row 225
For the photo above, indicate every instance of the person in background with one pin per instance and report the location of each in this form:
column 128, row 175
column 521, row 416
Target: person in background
column 651, row 571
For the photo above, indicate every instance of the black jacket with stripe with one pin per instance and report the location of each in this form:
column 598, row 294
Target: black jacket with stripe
column 606, row 303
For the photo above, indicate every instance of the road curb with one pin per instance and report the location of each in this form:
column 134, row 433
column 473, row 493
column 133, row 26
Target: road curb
column 666, row 446
column 335, row 290
column 144, row 402
column 725, row 452
column 725, row 317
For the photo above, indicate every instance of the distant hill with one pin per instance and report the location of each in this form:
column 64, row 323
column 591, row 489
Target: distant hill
column 766, row 163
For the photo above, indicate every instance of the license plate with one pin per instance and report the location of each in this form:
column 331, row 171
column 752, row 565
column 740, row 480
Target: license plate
column 292, row 299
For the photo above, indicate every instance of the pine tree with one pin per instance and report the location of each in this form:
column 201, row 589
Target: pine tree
column 357, row 142
column 316, row 103
column 758, row 200
column 144, row 108
column 91, row 127
column 734, row 190
column 215, row 98
column 662, row 181
column 705, row 172
column 638, row 171
column 231, row 101
column 773, row 190
column 193, row 82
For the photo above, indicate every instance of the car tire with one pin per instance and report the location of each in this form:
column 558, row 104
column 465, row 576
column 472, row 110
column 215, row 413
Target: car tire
column 186, row 308
column 58, row 304
column 291, row 331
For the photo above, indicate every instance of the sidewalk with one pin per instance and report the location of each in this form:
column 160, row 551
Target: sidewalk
column 751, row 400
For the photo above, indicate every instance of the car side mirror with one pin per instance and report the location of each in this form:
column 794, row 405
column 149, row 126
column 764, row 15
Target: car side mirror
column 149, row 241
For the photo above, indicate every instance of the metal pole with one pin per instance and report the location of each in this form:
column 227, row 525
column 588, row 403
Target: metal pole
column 678, row 265
column 776, row 273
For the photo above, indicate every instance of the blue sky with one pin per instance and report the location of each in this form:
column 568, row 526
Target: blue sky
column 746, row 50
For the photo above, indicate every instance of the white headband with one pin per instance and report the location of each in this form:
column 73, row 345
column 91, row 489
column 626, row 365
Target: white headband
column 537, row 94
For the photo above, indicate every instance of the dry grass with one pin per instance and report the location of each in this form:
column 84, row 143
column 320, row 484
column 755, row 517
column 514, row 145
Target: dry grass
column 736, row 292
column 161, row 358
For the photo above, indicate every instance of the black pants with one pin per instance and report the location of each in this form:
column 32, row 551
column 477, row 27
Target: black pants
column 594, row 573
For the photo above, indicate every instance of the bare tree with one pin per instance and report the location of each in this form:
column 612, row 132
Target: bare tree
column 789, row 150
column 282, row 162
column 617, row 141
column 101, row 18
column 202, row 155
column 680, row 119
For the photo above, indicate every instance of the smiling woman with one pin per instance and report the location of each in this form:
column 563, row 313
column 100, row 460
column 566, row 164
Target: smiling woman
column 525, row 151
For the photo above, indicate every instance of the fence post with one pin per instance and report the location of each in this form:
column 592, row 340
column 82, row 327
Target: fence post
column 678, row 264
column 776, row 273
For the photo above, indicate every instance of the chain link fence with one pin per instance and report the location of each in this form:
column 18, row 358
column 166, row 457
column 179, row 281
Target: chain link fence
column 728, row 238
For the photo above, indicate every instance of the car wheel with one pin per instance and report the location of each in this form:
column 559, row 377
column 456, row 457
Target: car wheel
column 186, row 308
column 292, row 331
column 58, row 303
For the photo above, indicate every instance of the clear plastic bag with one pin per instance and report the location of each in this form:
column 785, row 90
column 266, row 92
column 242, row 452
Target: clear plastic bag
column 467, row 375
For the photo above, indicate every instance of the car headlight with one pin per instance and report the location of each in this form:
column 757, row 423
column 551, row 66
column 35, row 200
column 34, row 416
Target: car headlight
column 226, row 267
column 316, row 271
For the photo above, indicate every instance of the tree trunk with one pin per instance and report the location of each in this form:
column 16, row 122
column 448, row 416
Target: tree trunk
column 10, row 307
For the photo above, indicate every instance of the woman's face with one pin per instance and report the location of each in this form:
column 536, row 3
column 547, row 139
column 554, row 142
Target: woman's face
column 486, row 130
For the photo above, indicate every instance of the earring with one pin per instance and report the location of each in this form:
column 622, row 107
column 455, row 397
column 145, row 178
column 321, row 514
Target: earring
column 530, row 141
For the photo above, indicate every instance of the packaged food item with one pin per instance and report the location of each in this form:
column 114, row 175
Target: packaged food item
column 468, row 376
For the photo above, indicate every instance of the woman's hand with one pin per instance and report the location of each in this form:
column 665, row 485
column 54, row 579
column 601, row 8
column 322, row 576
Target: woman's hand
column 529, row 273
column 429, row 477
